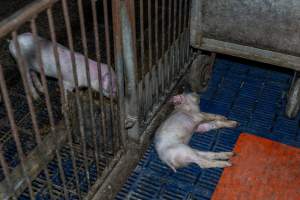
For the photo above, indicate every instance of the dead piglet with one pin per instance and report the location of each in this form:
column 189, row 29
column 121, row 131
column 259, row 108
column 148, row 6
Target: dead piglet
column 28, row 51
column 174, row 134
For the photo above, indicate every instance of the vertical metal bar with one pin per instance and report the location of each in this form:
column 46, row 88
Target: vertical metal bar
column 142, row 37
column 119, row 66
column 150, row 56
column 184, row 29
column 163, row 46
column 169, row 43
column 174, row 45
column 188, row 27
column 180, row 42
column 157, row 82
column 48, row 102
column 109, row 61
column 86, row 60
column 6, row 172
column 63, row 95
column 14, row 126
column 130, row 63
column 143, row 95
column 98, row 59
column 75, row 76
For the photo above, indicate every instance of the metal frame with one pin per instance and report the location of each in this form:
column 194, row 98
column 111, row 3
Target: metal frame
column 146, row 74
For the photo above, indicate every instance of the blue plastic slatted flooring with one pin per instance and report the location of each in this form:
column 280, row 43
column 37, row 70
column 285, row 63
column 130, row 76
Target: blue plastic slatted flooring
column 254, row 96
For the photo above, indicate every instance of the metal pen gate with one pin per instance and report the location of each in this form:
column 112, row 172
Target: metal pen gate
column 65, row 144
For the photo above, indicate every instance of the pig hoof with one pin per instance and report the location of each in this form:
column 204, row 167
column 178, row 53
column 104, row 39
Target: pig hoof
column 233, row 124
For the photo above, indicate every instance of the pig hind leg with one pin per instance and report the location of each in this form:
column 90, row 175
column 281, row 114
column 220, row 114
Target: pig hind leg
column 215, row 155
column 182, row 155
column 212, row 159
column 37, row 82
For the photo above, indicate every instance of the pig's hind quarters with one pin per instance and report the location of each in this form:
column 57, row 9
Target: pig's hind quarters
column 181, row 155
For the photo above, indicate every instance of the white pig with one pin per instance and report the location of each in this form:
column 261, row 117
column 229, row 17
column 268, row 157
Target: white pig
column 28, row 51
column 174, row 134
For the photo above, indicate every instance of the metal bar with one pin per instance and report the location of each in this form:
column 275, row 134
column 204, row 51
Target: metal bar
column 119, row 66
column 174, row 45
column 63, row 95
column 179, row 36
column 23, row 15
column 98, row 59
column 157, row 74
column 24, row 70
column 251, row 53
column 34, row 163
column 129, row 53
column 109, row 59
column 182, row 33
column 163, row 46
column 143, row 95
column 6, row 174
column 75, row 76
column 142, row 37
column 49, row 109
column 86, row 60
column 187, row 30
column 169, row 42
column 150, row 55
column 14, row 129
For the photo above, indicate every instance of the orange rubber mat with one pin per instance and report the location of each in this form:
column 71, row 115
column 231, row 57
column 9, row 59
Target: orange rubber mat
column 262, row 170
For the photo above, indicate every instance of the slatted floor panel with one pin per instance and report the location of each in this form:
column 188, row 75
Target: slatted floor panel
column 253, row 94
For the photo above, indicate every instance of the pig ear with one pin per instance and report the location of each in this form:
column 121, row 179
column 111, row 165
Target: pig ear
column 177, row 99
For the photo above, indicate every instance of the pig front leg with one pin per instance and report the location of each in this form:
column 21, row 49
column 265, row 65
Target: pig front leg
column 32, row 89
column 37, row 82
column 216, row 124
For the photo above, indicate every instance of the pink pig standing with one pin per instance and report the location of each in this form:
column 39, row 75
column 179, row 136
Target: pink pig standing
column 174, row 134
column 27, row 48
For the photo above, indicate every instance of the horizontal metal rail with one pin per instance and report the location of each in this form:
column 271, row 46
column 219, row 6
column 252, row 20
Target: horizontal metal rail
column 23, row 15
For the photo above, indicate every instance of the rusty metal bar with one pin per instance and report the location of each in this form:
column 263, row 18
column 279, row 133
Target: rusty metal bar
column 15, row 133
column 157, row 64
column 142, row 37
column 119, row 66
column 34, row 163
column 98, row 59
column 179, row 36
column 187, row 31
column 143, row 93
column 169, row 42
column 6, row 174
column 109, row 59
column 150, row 56
column 48, row 105
column 163, row 46
column 23, row 15
column 174, row 46
column 75, row 76
column 25, row 75
column 63, row 95
column 86, row 60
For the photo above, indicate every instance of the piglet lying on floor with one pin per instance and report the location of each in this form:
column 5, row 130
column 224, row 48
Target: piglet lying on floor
column 28, row 51
column 174, row 134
